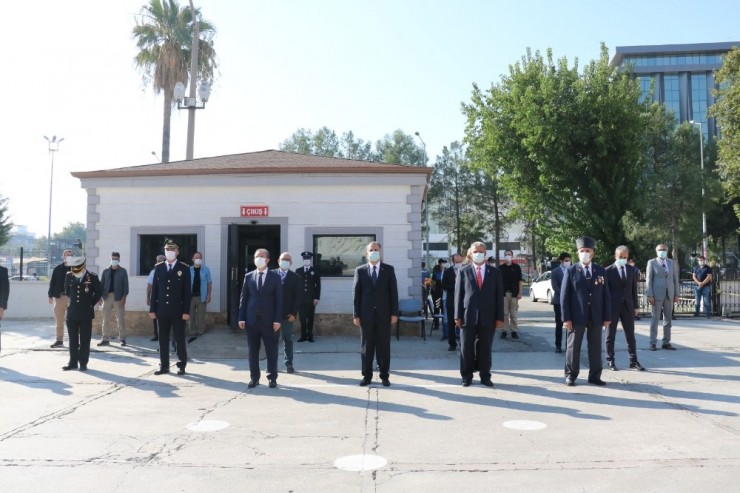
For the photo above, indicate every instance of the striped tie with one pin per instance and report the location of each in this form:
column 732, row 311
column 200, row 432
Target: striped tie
column 478, row 277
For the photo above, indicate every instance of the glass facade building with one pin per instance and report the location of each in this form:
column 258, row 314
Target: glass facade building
column 679, row 76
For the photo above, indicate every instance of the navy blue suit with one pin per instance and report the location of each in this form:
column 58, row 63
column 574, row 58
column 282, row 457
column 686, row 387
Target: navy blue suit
column 171, row 297
column 375, row 304
column 259, row 309
column 83, row 294
column 479, row 310
column 623, row 293
column 556, row 281
column 586, row 303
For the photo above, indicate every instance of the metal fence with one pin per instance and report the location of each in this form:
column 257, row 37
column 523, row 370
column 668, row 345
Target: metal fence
column 725, row 296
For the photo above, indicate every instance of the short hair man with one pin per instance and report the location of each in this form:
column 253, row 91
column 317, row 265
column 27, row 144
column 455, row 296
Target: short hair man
column 449, row 277
column 115, row 291
column 556, row 281
column 149, row 281
column 513, row 281
column 201, row 286
column 58, row 297
column 662, row 289
column 702, row 277
column 292, row 291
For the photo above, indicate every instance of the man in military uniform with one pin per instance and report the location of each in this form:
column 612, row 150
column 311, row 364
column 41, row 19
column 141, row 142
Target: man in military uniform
column 311, row 292
column 83, row 291
column 170, row 305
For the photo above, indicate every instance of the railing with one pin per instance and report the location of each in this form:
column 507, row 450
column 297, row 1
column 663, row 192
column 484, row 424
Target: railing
column 725, row 296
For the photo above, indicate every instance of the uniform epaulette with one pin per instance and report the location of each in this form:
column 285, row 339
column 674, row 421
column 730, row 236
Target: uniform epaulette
column 186, row 265
column 158, row 263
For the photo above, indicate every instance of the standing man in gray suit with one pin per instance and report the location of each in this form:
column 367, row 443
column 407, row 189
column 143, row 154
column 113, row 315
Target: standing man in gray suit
column 661, row 288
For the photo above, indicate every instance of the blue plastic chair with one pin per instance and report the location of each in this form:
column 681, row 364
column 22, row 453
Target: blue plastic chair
column 410, row 311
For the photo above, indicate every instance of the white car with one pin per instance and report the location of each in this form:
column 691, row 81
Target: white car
column 541, row 288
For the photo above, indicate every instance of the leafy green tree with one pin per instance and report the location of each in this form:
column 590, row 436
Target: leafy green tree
column 727, row 112
column 400, row 148
column 324, row 142
column 163, row 35
column 567, row 146
column 5, row 224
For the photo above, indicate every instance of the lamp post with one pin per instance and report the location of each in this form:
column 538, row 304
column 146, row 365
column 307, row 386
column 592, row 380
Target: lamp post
column 703, row 214
column 426, row 204
column 53, row 147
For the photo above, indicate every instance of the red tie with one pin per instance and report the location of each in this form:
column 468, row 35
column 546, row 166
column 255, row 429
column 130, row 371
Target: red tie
column 478, row 277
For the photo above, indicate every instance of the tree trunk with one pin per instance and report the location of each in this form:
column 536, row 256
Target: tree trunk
column 167, row 113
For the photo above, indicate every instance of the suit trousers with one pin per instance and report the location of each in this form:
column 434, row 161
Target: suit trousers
column 80, row 333
column 627, row 317
column 375, row 343
column 306, row 313
column 176, row 326
column 558, row 326
column 197, row 322
column 511, row 312
column 257, row 333
column 451, row 329
column 286, row 334
column 666, row 307
column 475, row 352
column 109, row 303
column 60, row 309
column 573, row 351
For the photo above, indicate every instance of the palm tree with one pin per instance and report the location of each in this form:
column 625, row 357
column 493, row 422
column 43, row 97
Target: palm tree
column 163, row 34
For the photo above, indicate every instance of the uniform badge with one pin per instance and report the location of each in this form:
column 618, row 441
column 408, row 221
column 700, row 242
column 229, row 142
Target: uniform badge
column 179, row 273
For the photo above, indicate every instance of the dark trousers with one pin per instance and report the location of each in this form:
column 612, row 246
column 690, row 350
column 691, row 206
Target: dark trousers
column 156, row 331
column 177, row 327
column 627, row 317
column 375, row 343
column 437, row 299
column 80, row 333
column 573, row 351
column 306, row 312
column 451, row 329
column 256, row 334
column 476, row 343
column 558, row 326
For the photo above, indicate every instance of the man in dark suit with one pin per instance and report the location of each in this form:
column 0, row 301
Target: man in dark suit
column 260, row 313
column 556, row 280
column 58, row 298
column 170, row 305
column 83, row 290
column 292, row 291
column 375, row 311
column 449, row 277
column 4, row 292
column 622, row 282
column 311, row 293
column 586, row 305
column 479, row 311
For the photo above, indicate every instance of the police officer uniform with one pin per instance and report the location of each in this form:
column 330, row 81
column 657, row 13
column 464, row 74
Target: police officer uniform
column 83, row 293
column 171, row 296
column 311, row 290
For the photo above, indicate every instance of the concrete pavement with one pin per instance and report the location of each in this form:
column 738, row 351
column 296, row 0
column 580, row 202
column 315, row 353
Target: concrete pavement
column 119, row 428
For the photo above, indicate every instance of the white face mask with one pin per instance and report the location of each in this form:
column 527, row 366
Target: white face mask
column 457, row 265
column 621, row 262
column 662, row 253
column 114, row 263
column 507, row 259
column 285, row 264
column 566, row 263
column 373, row 256
column 170, row 254
column 66, row 258
column 260, row 262
column 307, row 262
column 198, row 261
column 478, row 257
column 584, row 257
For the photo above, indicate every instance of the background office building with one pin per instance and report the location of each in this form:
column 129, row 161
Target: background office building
column 683, row 75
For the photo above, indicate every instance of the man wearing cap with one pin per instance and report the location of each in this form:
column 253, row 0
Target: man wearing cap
column 170, row 305
column 58, row 298
column 311, row 293
column 586, row 305
column 291, row 301
column 260, row 314
column 83, row 290
column 115, row 291
column 661, row 288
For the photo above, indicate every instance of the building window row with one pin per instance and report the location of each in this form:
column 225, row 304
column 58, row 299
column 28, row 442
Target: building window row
column 683, row 59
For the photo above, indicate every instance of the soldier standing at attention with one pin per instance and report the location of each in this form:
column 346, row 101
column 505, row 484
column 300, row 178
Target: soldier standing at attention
column 83, row 290
column 311, row 292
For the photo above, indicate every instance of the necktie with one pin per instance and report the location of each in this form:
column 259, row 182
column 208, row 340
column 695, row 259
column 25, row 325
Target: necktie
column 665, row 267
column 478, row 277
column 621, row 272
column 259, row 282
column 169, row 267
column 375, row 274
column 282, row 275
column 588, row 272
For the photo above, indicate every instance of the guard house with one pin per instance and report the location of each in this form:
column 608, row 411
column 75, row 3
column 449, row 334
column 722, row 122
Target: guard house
column 228, row 206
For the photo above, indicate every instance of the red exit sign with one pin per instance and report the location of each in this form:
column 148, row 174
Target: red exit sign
column 255, row 211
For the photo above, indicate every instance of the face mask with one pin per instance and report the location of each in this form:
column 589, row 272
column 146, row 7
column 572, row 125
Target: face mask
column 79, row 275
column 584, row 257
column 621, row 262
column 170, row 255
column 114, row 263
column 662, row 253
column 66, row 258
column 373, row 256
column 307, row 263
column 478, row 257
column 198, row 261
column 285, row 264
column 507, row 258
column 458, row 265
column 260, row 262
column 566, row 263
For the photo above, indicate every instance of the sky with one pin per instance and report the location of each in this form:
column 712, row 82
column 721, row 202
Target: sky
column 370, row 67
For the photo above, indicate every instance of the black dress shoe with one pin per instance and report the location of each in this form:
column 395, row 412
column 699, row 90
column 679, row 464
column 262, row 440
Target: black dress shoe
column 598, row 382
column 310, row 339
column 69, row 367
column 452, row 348
column 636, row 366
column 365, row 382
column 155, row 338
column 57, row 344
column 569, row 382
column 515, row 335
column 302, row 339
column 162, row 371
column 252, row 384
column 123, row 342
column 466, row 383
column 503, row 335
column 558, row 350
column 192, row 339
column 487, row 383
column 83, row 367
column 290, row 369
column 386, row 382
column 272, row 383
column 611, row 365
column 104, row 343
column 181, row 371
column 667, row 345
column 653, row 348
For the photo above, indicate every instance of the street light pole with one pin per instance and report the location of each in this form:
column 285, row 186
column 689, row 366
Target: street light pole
column 426, row 204
column 53, row 147
column 703, row 213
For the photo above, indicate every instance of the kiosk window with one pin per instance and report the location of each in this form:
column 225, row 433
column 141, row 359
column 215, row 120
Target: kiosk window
column 339, row 255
